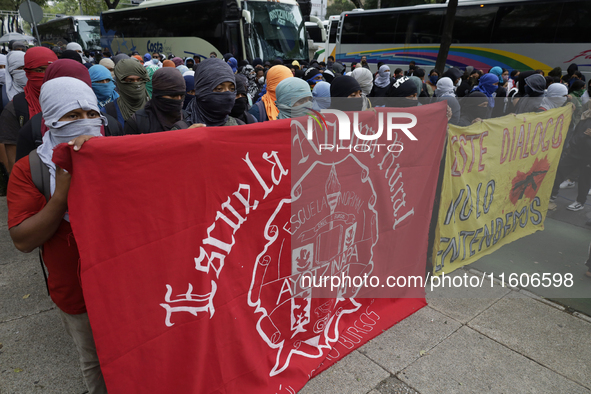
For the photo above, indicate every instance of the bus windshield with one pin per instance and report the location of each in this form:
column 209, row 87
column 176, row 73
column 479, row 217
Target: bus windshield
column 90, row 33
column 278, row 31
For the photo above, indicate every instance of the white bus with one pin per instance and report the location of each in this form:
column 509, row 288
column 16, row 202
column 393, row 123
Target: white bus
column 513, row 34
column 247, row 29
column 85, row 30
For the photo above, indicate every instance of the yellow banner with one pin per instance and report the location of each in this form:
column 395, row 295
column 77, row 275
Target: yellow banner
column 497, row 183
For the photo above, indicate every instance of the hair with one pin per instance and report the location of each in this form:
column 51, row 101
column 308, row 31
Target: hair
column 434, row 71
column 514, row 73
column 380, row 64
column 331, row 58
column 322, row 64
column 538, row 71
column 107, row 54
column 419, row 72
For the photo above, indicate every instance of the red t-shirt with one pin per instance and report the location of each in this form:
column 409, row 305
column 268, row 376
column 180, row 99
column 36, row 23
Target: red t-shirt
column 60, row 253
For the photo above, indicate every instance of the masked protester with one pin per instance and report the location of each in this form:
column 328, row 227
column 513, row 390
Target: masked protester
column 404, row 92
column 2, row 79
column 215, row 94
column 345, row 94
column 365, row 79
column 70, row 112
column 446, row 91
column 26, row 104
column 30, row 136
column 265, row 109
column 555, row 97
column 110, row 65
column 294, row 98
column 74, row 46
column 535, row 85
column 166, row 107
column 130, row 78
column 241, row 106
column 189, row 89
column 16, row 78
column 474, row 108
column 250, row 74
column 321, row 94
column 103, row 85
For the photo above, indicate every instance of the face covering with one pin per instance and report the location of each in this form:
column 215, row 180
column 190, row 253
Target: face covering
column 209, row 107
column 3, row 70
column 458, row 83
column 433, row 79
column 505, row 78
column 133, row 95
column 262, row 80
column 240, row 106
column 155, row 61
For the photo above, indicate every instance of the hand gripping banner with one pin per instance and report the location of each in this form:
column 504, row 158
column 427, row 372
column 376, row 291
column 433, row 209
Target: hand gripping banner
column 193, row 244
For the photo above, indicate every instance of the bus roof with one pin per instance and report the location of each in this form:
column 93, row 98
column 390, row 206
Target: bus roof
column 157, row 3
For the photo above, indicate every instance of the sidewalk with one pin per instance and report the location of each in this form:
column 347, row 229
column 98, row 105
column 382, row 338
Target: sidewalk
column 485, row 340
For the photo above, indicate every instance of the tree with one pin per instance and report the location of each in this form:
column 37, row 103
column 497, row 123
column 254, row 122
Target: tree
column 339, row 6
column 446, row 37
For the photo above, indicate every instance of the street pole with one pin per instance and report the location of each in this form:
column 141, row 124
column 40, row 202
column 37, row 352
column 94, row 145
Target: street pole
column 34, row 23
column 80, row 2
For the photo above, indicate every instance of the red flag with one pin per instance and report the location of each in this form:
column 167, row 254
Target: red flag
column 196, row 246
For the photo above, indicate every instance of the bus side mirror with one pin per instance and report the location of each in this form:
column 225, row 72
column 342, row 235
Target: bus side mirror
column 320, row 26
column 247, row 17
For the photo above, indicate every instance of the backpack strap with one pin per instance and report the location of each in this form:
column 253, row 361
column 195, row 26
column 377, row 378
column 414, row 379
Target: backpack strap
column 40, row 175
column 36, row 126
column 21, row 108
column 262, row 110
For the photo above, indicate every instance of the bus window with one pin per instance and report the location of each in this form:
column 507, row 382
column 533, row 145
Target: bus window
column 350, row 33
column 89, row 31
column 314, row 32
column 574, row 22
column 474, row 24
column 233, row 39
column 334, row 27
column 420, row 28
column 526, row 24
column 378, row 28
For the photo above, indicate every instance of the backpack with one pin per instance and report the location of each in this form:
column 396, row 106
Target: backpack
column 21, row 108
column 41, row 180
column 262, row 111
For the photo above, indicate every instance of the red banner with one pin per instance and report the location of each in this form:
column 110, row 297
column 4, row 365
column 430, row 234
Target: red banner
column 195, row 246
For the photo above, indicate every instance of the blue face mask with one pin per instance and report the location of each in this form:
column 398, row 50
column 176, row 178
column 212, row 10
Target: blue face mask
column 433, row 78
column 155, row 61
column 103, row 91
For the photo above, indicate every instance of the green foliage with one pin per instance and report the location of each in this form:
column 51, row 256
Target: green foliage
column 338, row 6
column 12, row 5
column 72, row 7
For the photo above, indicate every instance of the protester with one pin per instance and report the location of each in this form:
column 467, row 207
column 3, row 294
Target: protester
column 177, row 61
column 345, row 94
column 321, row 94
column 15, row 76
column 30, row 136
column 265, row 109
column 121, row 56
column 576, row 157
column 241, row 106
column 405, row 90
column 215, row 94
column 164, row 109
column 25, row 104
column 250, row 74
column 474, row 108
column 150, row 69
column 488, row 85
column 535, row 85
column 74, row 46
column 103, row 85
column 130, row 79
column 381, row 85
column 109, row 65
column 446, row 91
column 71, row 114
column 294, row 98
column 555, row 97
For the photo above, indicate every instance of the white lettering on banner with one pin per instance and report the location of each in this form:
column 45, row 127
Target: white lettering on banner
column 398, row 198
column 220, row 237
column 194, row 303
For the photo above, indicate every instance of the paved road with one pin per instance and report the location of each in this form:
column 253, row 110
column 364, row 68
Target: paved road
column 489, row 340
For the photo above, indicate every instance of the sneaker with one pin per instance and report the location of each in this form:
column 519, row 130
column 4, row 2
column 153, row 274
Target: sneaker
column 567, row 184
column 575, row 206
column 553, row 198
column 551, row 206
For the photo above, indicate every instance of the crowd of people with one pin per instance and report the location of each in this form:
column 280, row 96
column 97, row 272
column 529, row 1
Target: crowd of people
column 52, row 96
